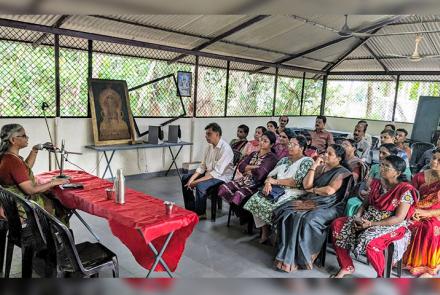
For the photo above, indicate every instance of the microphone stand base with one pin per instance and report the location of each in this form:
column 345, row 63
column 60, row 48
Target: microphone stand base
column 63, row 176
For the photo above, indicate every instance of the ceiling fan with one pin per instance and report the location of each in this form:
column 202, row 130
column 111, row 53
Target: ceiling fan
column 415, row 56
column 346, row 32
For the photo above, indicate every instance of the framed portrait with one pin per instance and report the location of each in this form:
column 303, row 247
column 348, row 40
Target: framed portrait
column 184, row 83
column 112, row 121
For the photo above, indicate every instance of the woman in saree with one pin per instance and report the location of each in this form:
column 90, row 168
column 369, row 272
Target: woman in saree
column 288, row 173
column 423, row 255
column 254, row 169
column 354, row 203
column 380, row 221
column 302, row 223
column 16, row 173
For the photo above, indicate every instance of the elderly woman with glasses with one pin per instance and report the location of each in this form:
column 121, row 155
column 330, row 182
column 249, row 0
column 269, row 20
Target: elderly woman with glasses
column 288, row 173
column 16, row 172
column 380, row 221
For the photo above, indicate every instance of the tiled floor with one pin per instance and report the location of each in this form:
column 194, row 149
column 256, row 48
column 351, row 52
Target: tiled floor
column 213, row 250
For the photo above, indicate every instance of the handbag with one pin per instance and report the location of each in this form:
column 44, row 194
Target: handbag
column 276, row 192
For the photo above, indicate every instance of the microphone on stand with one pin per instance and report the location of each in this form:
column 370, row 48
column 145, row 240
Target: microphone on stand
column 63, row 156
column 48, row 146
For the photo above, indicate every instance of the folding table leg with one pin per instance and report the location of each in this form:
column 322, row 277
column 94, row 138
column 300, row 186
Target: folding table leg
column 108, row 167
column 86, row 225
column 174, row 158
column 158, row 255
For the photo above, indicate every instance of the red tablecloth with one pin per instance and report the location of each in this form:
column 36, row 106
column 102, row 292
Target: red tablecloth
column 140, row 211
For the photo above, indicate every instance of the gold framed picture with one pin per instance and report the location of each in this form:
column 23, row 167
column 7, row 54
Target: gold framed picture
column 112, row 121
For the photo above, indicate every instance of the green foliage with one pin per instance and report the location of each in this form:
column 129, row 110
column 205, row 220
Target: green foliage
column 212, row 92
column 312, row 97
column 250, row 94
column 27, row 79
column 288, row 96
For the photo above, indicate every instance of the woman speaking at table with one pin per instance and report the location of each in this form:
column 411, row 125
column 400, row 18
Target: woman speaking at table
column 16, row 173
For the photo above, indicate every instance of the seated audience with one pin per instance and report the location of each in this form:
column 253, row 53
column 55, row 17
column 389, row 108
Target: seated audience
column 366, row 136
column 237, row 144
column 215, row 169
column 385, row 150
column 321, row 138
column 400, row 142
column 254, row 169
column 422, row 257
column 288, row 176
column 16, row 173
column 254, row 145
column 283, row 120
column 380, row 221
column 281, row 149
column 362, row 144
column 425, row 159
column 386, row 136
column 301, row 224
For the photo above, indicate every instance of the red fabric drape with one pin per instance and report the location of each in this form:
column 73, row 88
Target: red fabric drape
column 140, row 212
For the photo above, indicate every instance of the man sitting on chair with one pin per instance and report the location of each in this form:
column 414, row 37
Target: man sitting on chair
column 362, row 145
column 321, row 138
column 215, row 169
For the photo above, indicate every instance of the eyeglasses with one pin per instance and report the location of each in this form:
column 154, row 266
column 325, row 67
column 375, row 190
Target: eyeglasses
column 23, row 136
column 292, row 145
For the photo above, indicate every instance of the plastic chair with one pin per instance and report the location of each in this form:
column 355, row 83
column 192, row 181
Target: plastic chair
column 417, row 150
column 27, row 235
column 216, row 202
column 374, row 142
column 85, row 259
column 389, row 263
column 338, row 139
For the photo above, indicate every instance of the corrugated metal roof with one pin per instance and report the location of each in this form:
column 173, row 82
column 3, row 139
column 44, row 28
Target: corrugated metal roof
column 359, row 65
column 271, row 39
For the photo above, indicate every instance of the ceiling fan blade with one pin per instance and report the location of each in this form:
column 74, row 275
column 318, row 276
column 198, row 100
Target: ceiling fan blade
column 432, row 56
column 405, row 33
column 362, row 35
column 394, row 56
column 313, row 23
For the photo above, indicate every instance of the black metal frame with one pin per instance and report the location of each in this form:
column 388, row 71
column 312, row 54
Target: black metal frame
column 326, row 72
column 136, row 127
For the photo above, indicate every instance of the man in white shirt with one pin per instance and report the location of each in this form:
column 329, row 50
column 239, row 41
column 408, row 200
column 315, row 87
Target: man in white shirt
column 216, row 168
